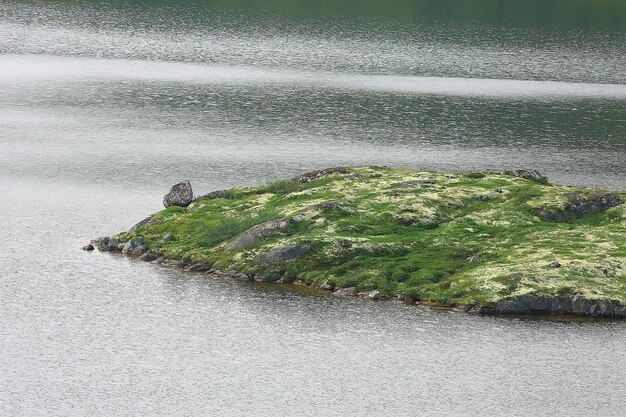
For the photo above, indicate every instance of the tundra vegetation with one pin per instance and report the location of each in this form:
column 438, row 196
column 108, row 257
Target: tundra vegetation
column 455, row 239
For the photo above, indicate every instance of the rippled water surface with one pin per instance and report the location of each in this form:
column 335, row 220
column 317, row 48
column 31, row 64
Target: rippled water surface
column 104, row 105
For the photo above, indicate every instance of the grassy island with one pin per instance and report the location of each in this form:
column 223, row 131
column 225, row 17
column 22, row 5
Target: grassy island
column 493, row 242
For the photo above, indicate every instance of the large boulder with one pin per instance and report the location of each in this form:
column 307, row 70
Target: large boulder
column 180, row 194
column 255, row 234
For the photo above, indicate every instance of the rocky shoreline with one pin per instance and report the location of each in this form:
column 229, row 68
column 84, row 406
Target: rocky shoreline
column 181, row 195
column 525, row 305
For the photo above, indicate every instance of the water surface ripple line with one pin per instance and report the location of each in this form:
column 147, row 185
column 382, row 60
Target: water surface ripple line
column 19, row 69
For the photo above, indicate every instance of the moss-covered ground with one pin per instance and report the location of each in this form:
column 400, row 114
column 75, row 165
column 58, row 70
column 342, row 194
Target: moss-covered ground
column 447, row 238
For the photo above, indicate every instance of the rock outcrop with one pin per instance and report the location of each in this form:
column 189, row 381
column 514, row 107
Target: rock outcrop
column 580, row 205
column 255, row 234
column 180, row 194
column 106, row 244
column 283, row 253
column 317, row 174
column 150, row 220
column 135, row 246
column 528, row 174
column 534, row 304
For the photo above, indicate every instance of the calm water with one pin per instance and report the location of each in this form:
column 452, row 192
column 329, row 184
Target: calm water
column 104, row 105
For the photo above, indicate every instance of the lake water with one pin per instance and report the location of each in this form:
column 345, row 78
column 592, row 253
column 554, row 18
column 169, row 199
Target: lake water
column 104, row 105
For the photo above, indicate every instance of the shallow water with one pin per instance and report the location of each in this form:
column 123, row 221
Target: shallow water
column 103, row 106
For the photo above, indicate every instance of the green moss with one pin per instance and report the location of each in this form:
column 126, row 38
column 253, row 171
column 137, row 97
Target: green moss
column 410, row 233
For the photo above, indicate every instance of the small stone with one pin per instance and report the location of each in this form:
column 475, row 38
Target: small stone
column 148, row 257
column 346, row 292
column 327, row 286
column 516, row 276
column 199, row 267
column 555, row 264
column 169, row 238
column 374, row 295
column 473, row 259
column 88, row 247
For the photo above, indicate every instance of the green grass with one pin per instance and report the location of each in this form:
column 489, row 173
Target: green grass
column 413, row 240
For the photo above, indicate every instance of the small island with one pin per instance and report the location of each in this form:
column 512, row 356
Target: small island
column 490, row 243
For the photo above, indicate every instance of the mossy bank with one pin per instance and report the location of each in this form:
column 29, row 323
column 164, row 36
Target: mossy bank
column 490, row 242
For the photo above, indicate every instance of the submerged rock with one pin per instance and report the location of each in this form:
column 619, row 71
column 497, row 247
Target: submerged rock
column 255, row 234
column 180, row 194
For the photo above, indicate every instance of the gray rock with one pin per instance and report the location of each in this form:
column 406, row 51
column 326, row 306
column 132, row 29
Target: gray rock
column 173, row 263
column 145, row 222
column 580, row 305
column 374, row 295
column 180, row 194
column 105, row 244
column 169, row 238
column 555, row 264
column 198, row 267
column 326, row 286
column 515, row 276
column 563, row 305
column 317, row 174
column 268, row 278
column 135, row 246
column 529, row 174
column 283, row 253
column 212, row 195
column 473, row 259
column 88, row 247
column 347, row 292
column 580, row 205
column 512, row 307
column 148, row 257
column 619, row 311
column 255, row 234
